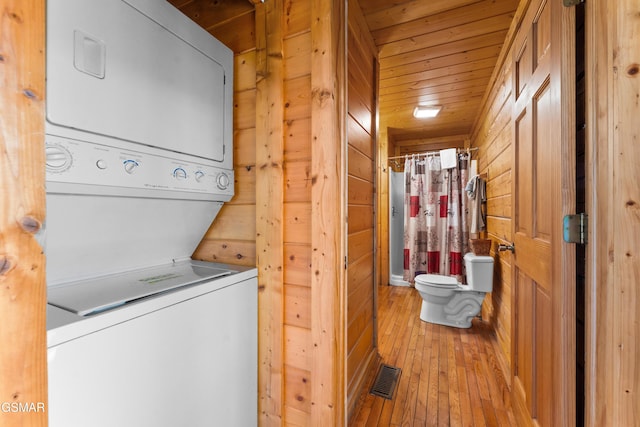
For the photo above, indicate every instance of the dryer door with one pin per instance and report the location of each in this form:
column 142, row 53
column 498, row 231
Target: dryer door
column 114, row 71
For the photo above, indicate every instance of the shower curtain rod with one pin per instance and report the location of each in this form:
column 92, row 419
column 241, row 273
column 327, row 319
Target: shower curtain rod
column 430, row 153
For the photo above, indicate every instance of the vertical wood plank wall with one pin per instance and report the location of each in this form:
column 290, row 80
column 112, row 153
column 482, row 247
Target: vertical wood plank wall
column 23, row 339
column 328, row 210
column 361, row 122
column 269, row 207
column 613, row 197
column 297, row 210
column 297, row 215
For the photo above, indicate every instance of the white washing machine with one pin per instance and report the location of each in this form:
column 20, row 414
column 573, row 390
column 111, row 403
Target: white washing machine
column 139, row 163
column 186, row 357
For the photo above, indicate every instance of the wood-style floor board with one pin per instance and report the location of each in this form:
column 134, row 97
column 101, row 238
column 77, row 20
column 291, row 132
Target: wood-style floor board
column 450, row 376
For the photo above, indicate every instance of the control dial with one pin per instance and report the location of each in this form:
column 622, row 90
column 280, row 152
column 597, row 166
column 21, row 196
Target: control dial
column 222, row 180
column 130, row 166
column 179, row 173
column 199, row 175
column 58, row 158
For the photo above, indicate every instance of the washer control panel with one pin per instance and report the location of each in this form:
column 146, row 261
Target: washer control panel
column 70, row 161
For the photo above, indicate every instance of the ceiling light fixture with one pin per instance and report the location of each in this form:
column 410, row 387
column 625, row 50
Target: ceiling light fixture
column 426, row 111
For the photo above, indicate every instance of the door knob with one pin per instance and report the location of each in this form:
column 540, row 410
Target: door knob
column 511, row 247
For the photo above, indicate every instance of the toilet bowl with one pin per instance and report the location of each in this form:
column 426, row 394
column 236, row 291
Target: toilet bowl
column 447, row 302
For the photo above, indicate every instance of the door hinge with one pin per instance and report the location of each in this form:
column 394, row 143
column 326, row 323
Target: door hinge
column 575, row 228
column 569, row 3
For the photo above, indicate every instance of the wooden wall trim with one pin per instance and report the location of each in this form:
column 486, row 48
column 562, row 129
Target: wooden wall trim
column 362, row 382
column 564, row 297
column 599, row 307
column 382, row 204
column 269, row 209
column 328, row 231
column 23, row 352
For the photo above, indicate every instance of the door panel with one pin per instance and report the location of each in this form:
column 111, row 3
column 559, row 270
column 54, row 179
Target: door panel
column 543, row 357
column 542, row 153
column 542, row 33
column 524, row 338
column 538, row 140
column 524, row 185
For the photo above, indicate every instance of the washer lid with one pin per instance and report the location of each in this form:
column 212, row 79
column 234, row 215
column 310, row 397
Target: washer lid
column 99, row 294
column 437, row 280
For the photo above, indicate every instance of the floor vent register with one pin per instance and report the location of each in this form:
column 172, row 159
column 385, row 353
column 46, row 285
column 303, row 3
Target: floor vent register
column 386, row 381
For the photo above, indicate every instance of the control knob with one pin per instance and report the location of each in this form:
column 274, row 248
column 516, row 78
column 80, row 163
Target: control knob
column 199, row 175
column 130, row 166
column 222, row 180
column 58, row 158
column 179, row 173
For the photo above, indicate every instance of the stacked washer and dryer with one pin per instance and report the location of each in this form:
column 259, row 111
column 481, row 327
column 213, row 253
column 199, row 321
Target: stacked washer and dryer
column 139, row 162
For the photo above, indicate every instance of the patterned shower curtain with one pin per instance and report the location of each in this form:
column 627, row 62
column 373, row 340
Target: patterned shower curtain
column 436, row 233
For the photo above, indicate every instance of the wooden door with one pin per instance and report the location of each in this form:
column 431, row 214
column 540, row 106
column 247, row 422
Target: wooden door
column 542, row 112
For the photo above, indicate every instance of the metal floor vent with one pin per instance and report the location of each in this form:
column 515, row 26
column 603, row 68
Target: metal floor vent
column 386, row 381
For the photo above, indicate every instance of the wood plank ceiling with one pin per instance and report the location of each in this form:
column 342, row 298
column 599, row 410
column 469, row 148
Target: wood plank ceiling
column 435, row 52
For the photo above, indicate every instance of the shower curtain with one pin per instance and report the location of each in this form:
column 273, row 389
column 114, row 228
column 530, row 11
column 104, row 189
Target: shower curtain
column 435, row 227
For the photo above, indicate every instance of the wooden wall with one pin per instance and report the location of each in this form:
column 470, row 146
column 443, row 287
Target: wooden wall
column 361, row 136
column 613, row 198
column 494, row 141
column 23, row 339
column 297, row 285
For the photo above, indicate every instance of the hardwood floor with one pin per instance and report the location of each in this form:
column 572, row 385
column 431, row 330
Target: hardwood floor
column 450, row 376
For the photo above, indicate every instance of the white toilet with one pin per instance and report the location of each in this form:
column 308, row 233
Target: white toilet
column 445, row 301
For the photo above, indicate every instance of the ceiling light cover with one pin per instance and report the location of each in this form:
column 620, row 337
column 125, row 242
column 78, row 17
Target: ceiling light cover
column 424, row 112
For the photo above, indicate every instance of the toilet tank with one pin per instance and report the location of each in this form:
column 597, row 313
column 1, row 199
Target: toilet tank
column 479, row 272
